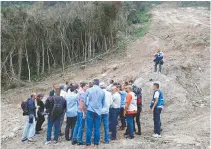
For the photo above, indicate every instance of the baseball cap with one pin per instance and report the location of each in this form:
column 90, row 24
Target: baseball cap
column 41, row 95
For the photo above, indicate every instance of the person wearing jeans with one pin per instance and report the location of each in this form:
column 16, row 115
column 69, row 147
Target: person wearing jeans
column 94, row 102
column 29, row 130
column 156, row 118
column 50, row 125
column 93, row 119
column 54, row 120
column 130, row 110
column 28, row 133
column 114, row 112
column 156, row 108
column 80, row 123
column 123, row 94
column 105, row 112
column 158, row 59
column 71, row 112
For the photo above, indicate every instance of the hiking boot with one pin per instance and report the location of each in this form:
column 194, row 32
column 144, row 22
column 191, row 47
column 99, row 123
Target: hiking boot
column 47, row 142
column 24, row 139
column 37, row 132
column 74, row 142
column 156, row 136
column 138, row 133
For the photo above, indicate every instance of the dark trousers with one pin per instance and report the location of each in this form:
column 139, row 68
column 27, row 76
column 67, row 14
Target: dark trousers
column 122, row 117
column 138, row 119
column 53, row 123
column 61, row 122
column 40, row 121
column 158, row 64
column 70, row 123
column 113, row 118
column 157, row 122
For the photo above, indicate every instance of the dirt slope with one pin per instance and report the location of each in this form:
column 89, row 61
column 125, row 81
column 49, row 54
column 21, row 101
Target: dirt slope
column 183, row 34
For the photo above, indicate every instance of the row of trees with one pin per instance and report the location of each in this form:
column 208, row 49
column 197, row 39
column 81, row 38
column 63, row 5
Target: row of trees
column 37, row 39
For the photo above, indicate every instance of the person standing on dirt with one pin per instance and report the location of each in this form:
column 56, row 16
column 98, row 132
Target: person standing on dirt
column 63, row 93
column 158, row 59
column 138, row 92
column 40, row 113
column 71, row 112
column 156, row 107
column 114, row 112
column 55, row 107
column 105, row 113
column 29, row 129
column 130, row 110
column 123, row 95
column 80, row 123
column 94, row 102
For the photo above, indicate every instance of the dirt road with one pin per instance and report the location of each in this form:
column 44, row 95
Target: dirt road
column 183, row 34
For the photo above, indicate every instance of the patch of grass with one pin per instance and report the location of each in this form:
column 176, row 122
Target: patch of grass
column 144, row 24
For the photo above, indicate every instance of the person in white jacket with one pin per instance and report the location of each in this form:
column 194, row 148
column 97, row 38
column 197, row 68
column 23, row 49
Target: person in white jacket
column 105, row 112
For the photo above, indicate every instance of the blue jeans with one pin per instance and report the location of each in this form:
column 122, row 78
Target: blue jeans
column 29, row 129
column 130, row 123
column 92, row 120
column 156, row 118
column 105, row 121
column 79, row 128
column 113, row 121
column 56, row 125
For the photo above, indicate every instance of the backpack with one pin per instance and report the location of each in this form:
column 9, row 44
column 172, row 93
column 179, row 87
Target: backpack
column 24, row 106
column 57, row 110
column 138, row 93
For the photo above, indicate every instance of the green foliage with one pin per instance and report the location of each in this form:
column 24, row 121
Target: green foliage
column 205, row 4
column 144, row 18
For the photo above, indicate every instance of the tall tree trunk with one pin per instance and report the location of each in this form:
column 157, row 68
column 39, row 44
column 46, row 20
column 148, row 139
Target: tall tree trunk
column 54, row 62
column 49, row 67
column 38, row 61
column 11, row 65
column 90, row 46
column 28, row 65
column 43, row 58
column 20, row 56
column 62, row 57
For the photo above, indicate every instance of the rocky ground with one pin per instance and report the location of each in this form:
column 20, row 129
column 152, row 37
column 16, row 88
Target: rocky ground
column 184, row 36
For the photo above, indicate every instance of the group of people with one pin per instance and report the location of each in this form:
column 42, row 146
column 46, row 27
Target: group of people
column 89, row 105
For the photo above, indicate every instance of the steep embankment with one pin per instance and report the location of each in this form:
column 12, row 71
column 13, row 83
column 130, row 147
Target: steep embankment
column 183, row 34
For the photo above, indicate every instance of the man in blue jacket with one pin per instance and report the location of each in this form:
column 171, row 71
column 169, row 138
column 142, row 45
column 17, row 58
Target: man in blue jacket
column 94, row 102
column 158, row 59
column 156, row 108
column 29, row 130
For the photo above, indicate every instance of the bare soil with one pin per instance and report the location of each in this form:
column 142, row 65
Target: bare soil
column 184, row 36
